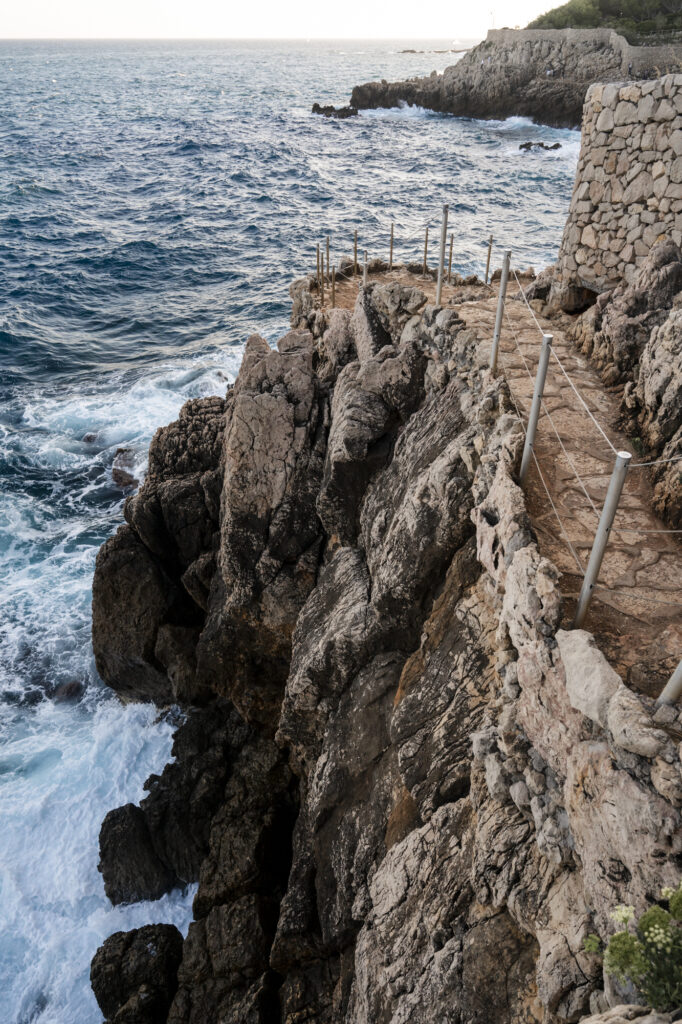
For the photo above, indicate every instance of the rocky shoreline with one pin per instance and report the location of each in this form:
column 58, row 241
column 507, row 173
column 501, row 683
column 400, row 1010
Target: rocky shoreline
column 390, row 775
column 535, row 73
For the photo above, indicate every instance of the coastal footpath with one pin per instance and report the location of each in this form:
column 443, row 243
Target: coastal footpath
column 619, row 263
column 407, row 789
column 542, row 74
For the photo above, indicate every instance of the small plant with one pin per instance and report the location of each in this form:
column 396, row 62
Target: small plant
column 650, row 955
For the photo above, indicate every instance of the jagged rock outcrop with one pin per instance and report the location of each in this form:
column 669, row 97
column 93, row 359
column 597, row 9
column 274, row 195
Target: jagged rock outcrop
column 134, row 974
column 423, row 809
column 538, row 73
column 147, row 850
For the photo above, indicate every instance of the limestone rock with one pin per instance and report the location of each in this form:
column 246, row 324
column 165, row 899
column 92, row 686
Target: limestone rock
column 590, row 680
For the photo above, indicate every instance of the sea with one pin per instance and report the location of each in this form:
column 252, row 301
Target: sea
column 156, row 200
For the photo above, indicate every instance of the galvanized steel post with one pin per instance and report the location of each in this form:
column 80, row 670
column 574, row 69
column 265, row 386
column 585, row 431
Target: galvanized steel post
column 426, row 248
column 673, row 688
column 355, row 253
column 441, row 257
column 601, row 537
column 534, row 416
column 500, row 310
column 487, row 264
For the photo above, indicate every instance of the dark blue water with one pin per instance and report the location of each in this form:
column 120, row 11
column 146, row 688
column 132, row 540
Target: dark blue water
column 155, row 201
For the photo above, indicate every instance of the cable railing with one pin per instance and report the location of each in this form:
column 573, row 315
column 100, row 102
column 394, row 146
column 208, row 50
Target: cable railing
column 623, row 461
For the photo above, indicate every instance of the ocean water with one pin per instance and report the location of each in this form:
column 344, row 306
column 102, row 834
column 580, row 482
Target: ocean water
column 156, row 199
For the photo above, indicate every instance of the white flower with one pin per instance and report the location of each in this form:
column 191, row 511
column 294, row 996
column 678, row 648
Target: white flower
column 667, row 892
column 622, row 914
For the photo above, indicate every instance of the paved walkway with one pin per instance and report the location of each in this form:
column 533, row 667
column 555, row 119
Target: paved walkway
column 636, row 613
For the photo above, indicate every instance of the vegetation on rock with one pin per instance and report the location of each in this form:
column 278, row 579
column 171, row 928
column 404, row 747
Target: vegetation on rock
column 650, row 957
column 633, row 18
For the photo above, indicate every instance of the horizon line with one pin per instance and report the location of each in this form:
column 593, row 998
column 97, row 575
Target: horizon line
column 226, row 39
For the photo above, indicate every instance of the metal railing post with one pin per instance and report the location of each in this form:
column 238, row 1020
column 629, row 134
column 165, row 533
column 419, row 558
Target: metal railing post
column 452, row 238
column 327, row 255
column 672, row 690
column 355, row 253
column 390, row 255
column 487, row 263
column 426, row 249
column 441, row 258
column 333, row 287
column 364, row 271
column 601, row 537
column 500, row 310
column 534, row 416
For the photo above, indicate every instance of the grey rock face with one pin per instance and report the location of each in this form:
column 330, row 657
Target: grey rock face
column 401, row 800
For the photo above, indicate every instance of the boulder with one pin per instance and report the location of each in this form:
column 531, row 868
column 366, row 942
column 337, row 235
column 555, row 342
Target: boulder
column 134, row 974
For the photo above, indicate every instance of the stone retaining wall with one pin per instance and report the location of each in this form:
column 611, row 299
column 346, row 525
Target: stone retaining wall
column 628, row 189
column 637, row 61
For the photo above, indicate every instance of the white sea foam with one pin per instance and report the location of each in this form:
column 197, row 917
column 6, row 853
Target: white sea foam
column 61, row 768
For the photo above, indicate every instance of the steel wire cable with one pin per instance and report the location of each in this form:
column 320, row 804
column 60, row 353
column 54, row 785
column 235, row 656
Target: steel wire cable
column 554, row 428
column 523, row 296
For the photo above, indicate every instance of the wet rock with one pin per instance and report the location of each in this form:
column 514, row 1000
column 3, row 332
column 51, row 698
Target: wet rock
column 72, row 690
column 138, row 586
column 122, row 468
column 340, row 113
column 148, row 849
column 528, row 146
column 134, row 974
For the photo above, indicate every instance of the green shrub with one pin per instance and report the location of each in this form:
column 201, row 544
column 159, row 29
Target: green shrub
column 633, row 18
column 649, row 956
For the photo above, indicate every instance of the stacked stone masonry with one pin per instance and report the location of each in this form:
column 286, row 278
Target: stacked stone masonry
column 628, row 189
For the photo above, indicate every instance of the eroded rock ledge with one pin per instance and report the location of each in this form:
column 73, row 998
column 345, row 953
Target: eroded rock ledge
column 406, row 793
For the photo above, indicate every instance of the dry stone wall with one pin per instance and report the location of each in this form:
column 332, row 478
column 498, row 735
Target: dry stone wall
column 628, row 189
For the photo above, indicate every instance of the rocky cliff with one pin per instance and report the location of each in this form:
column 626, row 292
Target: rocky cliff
column 406, row 792
column 538, row 73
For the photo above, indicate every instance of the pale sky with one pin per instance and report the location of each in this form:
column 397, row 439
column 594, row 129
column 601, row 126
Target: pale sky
column 260, row 19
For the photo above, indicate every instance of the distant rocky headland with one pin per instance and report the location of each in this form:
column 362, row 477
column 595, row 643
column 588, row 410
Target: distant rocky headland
column 542, row 74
